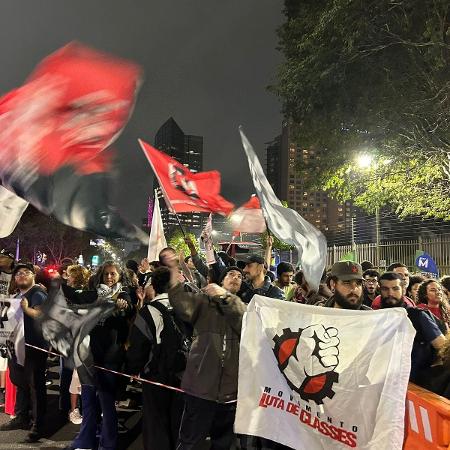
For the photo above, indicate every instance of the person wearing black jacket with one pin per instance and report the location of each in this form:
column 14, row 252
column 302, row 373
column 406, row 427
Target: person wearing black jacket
column 107, row 342
column 154, row 329
column 428, row 339
column 210, row 381
column 29, row 378
column 256, row 280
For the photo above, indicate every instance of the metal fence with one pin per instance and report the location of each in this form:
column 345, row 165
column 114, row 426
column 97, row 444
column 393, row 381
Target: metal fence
column 401, row 251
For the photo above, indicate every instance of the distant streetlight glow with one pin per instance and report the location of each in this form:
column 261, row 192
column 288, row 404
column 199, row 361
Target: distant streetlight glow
column 364, row 161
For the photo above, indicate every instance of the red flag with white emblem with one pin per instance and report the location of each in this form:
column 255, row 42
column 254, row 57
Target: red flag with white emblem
column 185, row 191
column 249, row 217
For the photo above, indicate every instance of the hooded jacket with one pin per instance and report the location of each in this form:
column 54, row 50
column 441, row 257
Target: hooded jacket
column 212, row 367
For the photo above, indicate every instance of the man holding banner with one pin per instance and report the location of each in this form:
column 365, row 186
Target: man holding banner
column 318, row 381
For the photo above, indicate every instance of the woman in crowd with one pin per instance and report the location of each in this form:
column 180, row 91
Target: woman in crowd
column 107, row 342
column 431, row 297
column 413, row 287
column 76, row 280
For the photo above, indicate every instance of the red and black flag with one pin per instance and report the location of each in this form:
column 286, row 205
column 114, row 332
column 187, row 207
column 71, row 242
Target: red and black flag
column 183, row 190
column 54, row 130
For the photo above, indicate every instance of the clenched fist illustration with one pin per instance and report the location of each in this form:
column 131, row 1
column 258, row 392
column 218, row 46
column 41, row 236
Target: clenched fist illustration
column 308, row 359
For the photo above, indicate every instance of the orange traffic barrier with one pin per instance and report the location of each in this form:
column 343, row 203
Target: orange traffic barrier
column 427, row 420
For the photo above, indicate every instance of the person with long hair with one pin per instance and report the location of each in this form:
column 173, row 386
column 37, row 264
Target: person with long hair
column 107, row 343
column 431, row 297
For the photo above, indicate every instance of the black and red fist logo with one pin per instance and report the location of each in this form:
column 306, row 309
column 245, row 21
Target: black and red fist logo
column 308, row 359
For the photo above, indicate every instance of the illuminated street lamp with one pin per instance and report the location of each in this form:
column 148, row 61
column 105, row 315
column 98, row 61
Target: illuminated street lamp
column 364, row 161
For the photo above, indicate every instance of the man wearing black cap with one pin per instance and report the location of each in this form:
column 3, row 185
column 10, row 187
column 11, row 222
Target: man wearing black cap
column 256, row 281
column 211, row 376
column 29, row 378
column 346, row 283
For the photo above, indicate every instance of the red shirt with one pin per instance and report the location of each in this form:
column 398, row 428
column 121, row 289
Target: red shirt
column 433, row 309
column 376, row 304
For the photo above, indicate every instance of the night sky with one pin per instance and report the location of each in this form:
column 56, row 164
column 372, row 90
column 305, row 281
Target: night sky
column 207, row 63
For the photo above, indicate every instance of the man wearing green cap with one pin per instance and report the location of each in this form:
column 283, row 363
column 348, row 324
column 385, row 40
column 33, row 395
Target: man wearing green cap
column 346, row 283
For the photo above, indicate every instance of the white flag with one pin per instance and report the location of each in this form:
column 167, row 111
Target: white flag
column 206, row 238
column 288, row 225
column 157, row 240
column 323, row 378
column 12, row 336
column 11, row 209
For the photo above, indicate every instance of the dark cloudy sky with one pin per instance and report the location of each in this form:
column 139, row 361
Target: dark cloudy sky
column 207, row 63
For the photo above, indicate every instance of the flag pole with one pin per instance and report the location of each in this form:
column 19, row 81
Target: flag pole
column 179, row 224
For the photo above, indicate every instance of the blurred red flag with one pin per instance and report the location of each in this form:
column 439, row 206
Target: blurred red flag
column 249, row 217
column 183, row 190
column 74, row 105
column 54, row 128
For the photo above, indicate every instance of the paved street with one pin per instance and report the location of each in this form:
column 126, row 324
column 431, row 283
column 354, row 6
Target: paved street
column 60, row 432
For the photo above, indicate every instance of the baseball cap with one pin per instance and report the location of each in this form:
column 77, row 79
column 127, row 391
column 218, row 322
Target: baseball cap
column 346, row 271
column 27, row 266
column 248, row 259
column 8, row 253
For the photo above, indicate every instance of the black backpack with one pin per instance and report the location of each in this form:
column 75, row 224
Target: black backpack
column 168, row 361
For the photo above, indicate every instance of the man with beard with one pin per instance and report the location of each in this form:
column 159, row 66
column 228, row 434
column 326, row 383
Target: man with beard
column 346, row 283
column 428, row 337
column 29, row 378
column 256, row 280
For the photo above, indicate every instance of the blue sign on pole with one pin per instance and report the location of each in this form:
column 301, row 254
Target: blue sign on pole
column 95, row 260
column 425, row 263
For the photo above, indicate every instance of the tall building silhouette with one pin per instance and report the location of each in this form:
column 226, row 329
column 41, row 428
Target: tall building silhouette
column 187, row 150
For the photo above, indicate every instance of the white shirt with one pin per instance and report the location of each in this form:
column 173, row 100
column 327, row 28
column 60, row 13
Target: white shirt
column 157, row 316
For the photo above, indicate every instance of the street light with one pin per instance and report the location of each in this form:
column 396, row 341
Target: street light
column 364, row 161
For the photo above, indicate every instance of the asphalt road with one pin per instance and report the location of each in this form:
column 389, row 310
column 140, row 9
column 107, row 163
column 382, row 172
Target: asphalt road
column 60, row 432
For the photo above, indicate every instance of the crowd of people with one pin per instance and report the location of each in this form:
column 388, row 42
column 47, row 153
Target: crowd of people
column 177, row 322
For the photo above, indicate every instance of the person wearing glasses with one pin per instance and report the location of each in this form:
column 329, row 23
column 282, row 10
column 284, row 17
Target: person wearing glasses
column 29, row 378
column 370, row 286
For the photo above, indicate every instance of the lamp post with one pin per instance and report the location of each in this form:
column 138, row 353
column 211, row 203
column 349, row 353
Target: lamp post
column 377, row 235
column 365, row 161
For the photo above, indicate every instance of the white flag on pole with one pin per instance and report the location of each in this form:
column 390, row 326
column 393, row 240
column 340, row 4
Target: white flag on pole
column 206, row 238
column 157, row 240
column 323, row 378
column 288, row 225
column 11, row 209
